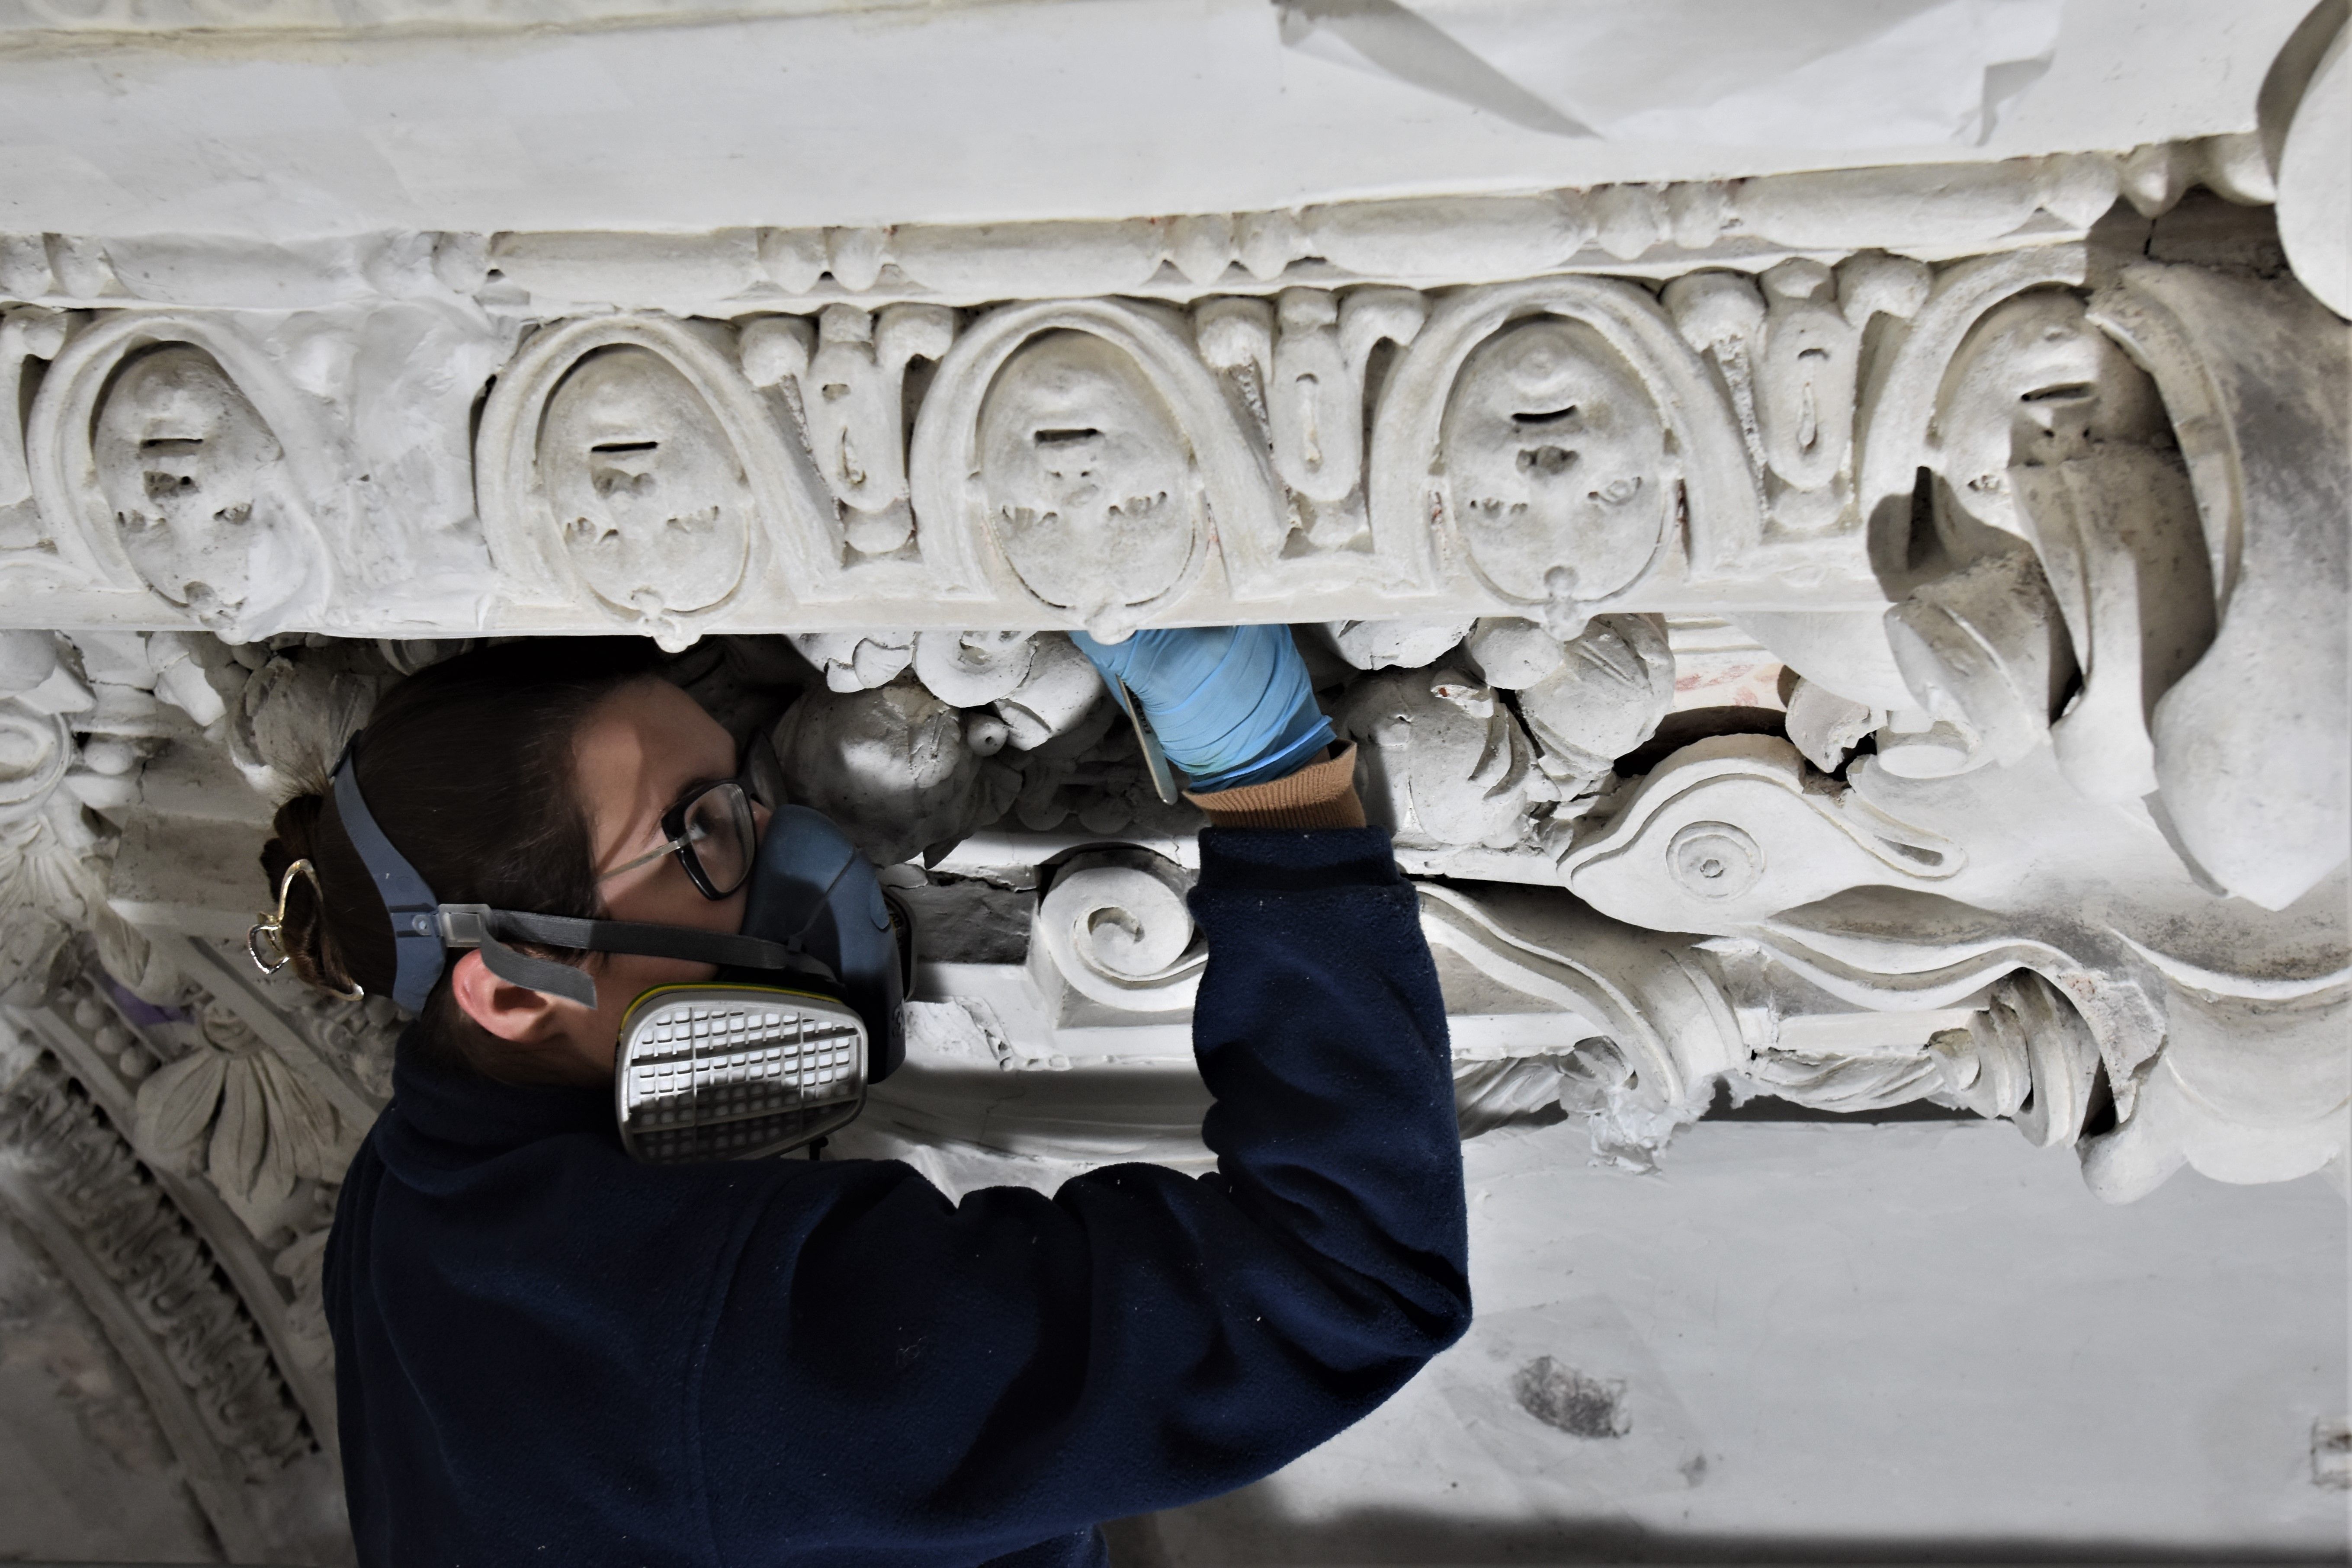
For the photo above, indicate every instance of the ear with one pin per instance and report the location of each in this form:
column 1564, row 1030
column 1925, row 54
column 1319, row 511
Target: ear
column 511, row 1012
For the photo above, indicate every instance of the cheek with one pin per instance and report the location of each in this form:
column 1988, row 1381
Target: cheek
column 625, row 976
column 1484, row 466
column 629, row 975
column 1623, row 449
column 670, row 899
column 1014, row 477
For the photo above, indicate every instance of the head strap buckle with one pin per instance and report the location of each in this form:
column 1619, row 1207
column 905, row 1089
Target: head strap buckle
column 408, row 902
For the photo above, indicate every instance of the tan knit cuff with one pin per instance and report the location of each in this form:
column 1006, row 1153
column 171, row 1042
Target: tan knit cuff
column 1320, row 795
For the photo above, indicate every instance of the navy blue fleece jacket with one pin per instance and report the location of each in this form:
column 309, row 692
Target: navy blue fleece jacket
column 547, row 1353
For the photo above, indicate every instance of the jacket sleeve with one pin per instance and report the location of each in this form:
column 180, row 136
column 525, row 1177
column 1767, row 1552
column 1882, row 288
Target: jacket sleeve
column 983, row 1374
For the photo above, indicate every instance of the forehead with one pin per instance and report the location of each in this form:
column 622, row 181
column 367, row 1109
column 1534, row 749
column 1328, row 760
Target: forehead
column 1064, row 373
column 641, row 743
column 646, row 712
column 1547, row 353
column 623, row 382
column 2022, row 338
column 177, row 378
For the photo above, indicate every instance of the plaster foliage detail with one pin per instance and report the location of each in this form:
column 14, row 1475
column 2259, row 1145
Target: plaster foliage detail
column 179, row 1161
column 469, row 458
column 236, row 1110
column 174, row 1299
column 2026, row 536
column 1796, row 654
column 147, row 1249
column 171, row 1130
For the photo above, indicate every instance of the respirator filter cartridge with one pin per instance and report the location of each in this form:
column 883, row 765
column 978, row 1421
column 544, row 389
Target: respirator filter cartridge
column 735, row 1073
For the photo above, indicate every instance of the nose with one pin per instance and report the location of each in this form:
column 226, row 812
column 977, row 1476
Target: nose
column 1547, row 460
column 621, row 482
column 623, row 468
column 1070, row 455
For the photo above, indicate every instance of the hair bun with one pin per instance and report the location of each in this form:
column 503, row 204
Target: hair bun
column 304, row 935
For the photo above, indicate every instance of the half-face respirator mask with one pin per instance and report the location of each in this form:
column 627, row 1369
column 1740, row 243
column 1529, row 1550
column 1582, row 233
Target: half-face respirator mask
column 774, row 1052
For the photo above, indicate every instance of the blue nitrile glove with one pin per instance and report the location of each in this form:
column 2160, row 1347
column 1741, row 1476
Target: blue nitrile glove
column 1231, row 705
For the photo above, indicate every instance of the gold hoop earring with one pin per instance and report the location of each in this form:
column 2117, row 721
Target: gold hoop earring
column 272, row 925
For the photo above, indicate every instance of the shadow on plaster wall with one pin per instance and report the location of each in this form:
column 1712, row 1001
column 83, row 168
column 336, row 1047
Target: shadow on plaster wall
column 1245, row 1528
column 1772, row 1107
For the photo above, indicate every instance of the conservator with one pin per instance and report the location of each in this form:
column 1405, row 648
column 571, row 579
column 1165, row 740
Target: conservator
column 548, row 1353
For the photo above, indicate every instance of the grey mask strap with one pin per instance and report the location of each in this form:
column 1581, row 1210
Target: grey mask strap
column 424, row 929
column 537, row 974
column 410, row 904
column 478, row 925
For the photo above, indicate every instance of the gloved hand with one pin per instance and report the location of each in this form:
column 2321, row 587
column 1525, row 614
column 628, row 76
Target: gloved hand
column 1231, row 705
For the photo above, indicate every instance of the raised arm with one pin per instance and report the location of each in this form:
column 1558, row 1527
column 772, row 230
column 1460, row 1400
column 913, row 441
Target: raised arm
column 1013, row 1367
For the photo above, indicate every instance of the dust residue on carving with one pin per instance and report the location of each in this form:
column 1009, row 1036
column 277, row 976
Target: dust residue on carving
column 1559, row 1395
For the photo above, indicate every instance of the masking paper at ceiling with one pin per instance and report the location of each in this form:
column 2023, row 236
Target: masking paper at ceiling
column 1810, row 73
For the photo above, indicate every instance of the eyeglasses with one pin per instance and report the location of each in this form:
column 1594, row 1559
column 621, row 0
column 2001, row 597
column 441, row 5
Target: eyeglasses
column 712, row 831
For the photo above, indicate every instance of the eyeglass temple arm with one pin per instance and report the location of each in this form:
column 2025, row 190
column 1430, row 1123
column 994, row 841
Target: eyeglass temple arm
column 650, row 855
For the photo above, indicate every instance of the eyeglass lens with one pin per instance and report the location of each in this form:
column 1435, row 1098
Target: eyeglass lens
column 720, row 836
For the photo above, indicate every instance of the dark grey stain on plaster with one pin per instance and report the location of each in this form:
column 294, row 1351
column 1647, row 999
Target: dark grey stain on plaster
column 1559, row 1395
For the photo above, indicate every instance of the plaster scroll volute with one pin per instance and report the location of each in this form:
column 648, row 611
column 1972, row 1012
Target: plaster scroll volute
column 1732, row 830
column 27, row 333
column 176, row 459
column 2251, row 747
column 1077, row 454
column 1653, row 994
column 624, row 464
column 1113, row 927
column 1894, row 948
column 1570, row 445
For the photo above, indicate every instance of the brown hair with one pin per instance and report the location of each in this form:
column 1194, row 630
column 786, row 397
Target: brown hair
column 466, row 767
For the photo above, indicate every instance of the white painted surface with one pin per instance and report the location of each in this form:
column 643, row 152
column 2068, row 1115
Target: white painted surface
column 1072, row 107
column 1878, row 1337
column 2315, row 182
